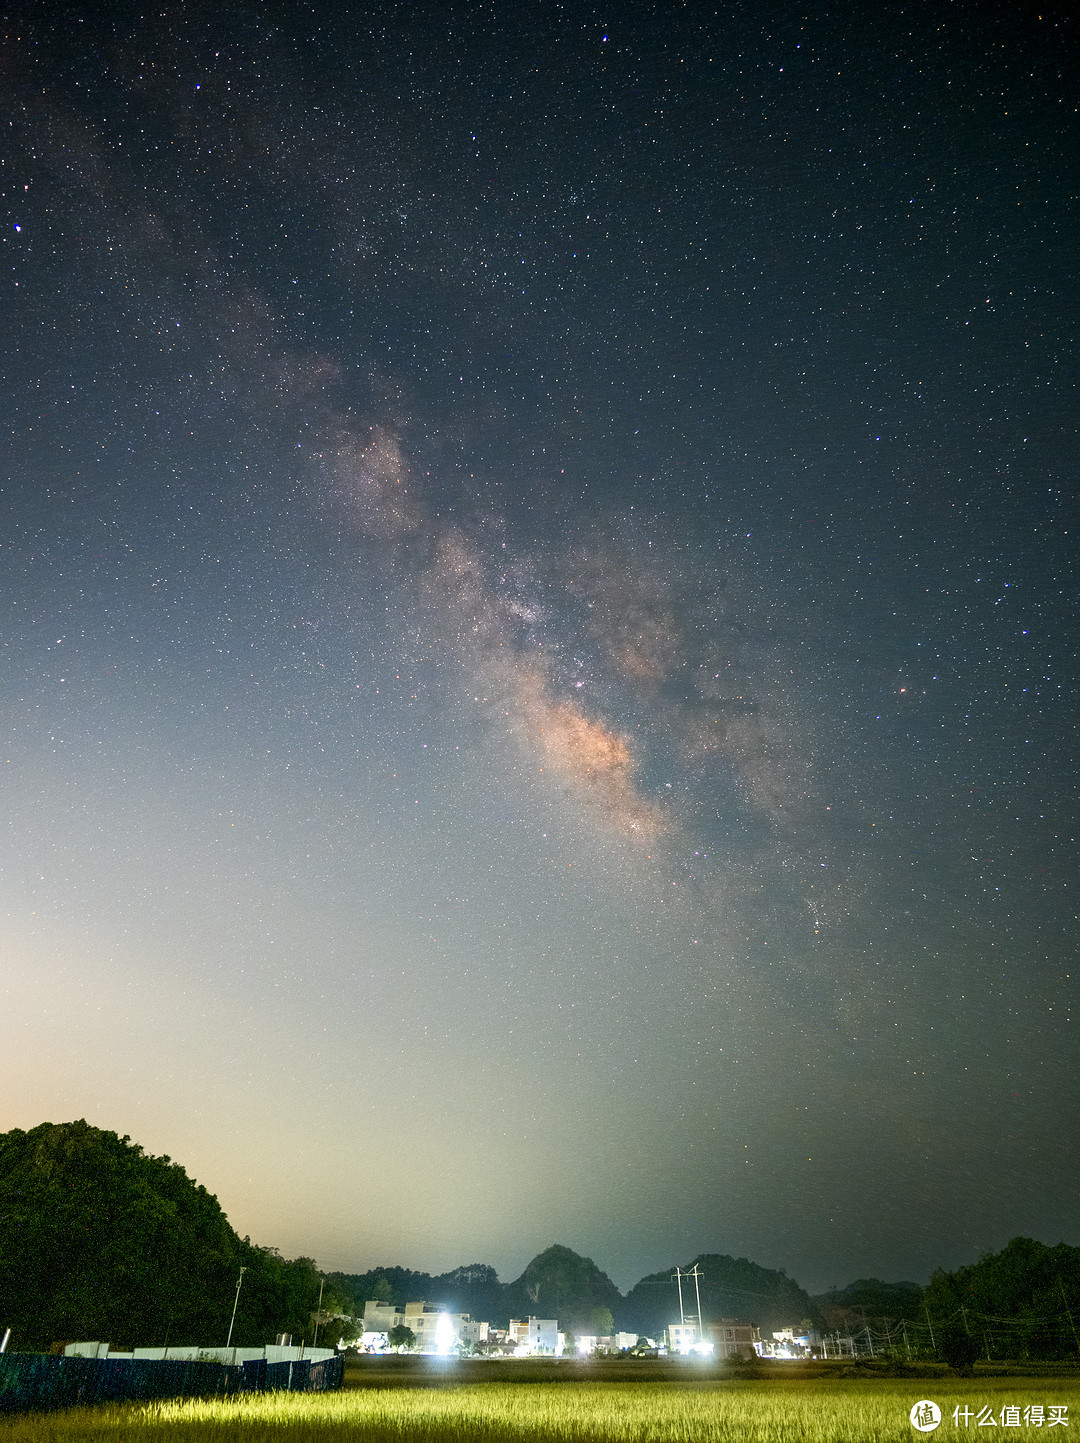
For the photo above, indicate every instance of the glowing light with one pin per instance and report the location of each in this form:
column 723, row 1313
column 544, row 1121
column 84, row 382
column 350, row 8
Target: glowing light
column 444, row 1335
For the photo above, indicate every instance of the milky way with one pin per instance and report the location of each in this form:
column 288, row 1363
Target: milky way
column 539, row 612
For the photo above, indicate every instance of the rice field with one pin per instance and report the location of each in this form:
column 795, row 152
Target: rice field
column 797, row 1411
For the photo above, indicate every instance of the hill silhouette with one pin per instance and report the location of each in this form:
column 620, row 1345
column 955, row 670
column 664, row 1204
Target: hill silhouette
column 730, row 1288
column 100, row 1240
column 473, row 1288
column 869, row 1301
column 561, row 1284
column 558, row 1283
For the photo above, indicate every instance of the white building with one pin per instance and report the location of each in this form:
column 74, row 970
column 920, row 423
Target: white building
column 381, row 1317
column 438, row 1331
column 621, row 1341
column 787, row 1343
column 681, row 1337
column 686, row 1339
column 435, row 1329
column 535, row 1336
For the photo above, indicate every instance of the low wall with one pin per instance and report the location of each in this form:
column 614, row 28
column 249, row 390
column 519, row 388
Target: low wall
column 33, row 1382
column 196, row 1353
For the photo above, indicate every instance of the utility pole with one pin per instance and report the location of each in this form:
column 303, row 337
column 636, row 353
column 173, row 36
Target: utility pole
column 232, row 1320
column 1068, row 1312
column 930, row 1325
column 695, row 1273
column 907, row 1345
column 318, row 1312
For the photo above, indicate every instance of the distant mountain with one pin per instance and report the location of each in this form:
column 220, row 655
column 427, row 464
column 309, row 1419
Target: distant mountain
column 474, row 1289
column 870, row 1302
column 100, row 1240
column 730, row 1288
column 561, row 1284
column 558, row 1283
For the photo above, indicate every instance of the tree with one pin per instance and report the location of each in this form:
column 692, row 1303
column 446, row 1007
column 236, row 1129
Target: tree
column 598, row 1322
column 100, row 1240
column 336, row 1330
column 1027, row 1297
column 401, row 1338
column 869, row 1302
column 957, row 1348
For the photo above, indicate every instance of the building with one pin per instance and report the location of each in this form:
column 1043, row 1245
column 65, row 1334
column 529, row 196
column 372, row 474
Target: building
column 621, row 1341
column 438, row 1331
column 435, row 1329
column 381, row 1317
column 682, row 1338
column 535, row 1336
column 732, row 1338
column 787, row 1343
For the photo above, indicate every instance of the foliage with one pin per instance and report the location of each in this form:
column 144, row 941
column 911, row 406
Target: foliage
column 1020, row 1299
column 100, row 1240
column 401, row 1336
column 957, row 1348
column 828, row 1411
column 870, row 1302
column 334, row 1327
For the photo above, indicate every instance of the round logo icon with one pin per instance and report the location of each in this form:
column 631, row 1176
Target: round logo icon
column 925, row 1415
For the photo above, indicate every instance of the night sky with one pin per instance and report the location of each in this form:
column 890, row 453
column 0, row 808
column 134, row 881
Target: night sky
column 539, row 622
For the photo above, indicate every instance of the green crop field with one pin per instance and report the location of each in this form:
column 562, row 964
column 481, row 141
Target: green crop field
column 795, row 1410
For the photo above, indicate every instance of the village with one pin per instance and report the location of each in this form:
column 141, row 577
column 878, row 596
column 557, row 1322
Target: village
column 422, row 1327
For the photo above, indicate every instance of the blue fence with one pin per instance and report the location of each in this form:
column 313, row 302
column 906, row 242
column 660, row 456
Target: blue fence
column 33, row 1382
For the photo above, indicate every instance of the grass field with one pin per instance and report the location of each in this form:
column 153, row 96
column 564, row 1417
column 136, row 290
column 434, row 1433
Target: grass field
column 823, row 1409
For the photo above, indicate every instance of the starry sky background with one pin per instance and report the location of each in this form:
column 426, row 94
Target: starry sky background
column 539, row 622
